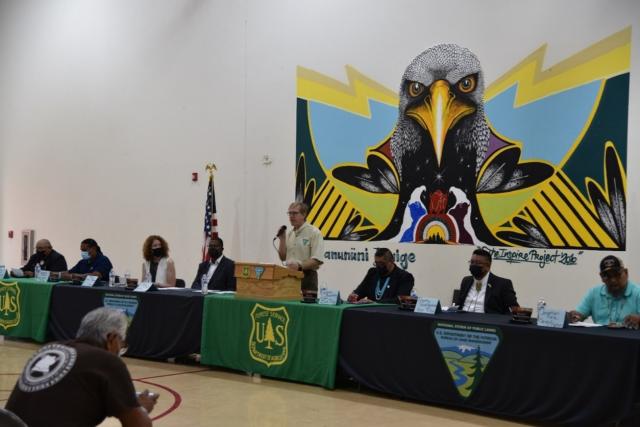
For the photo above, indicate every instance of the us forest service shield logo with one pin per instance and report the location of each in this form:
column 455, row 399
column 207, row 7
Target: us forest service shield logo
column 9, row 305
column 268, row 342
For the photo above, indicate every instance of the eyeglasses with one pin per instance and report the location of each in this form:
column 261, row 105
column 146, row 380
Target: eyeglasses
column 123, row 344
column 611, row 274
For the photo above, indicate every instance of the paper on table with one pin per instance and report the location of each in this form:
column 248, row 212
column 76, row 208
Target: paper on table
column 215, row 292
column 585, row 324
column 171, row 288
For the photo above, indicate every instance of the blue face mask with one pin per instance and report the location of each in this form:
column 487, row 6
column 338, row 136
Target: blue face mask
column 85, row 255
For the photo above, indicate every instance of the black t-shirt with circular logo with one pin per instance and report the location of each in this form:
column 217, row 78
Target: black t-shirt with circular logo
column 72, row 384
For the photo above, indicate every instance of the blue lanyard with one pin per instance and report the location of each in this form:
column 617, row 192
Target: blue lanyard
column 380, row 290
column 617, row 304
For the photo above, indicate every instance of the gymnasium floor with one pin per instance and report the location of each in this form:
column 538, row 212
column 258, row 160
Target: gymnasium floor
column 197, row 396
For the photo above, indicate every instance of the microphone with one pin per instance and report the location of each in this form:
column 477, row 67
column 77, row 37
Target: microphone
column 280, row 232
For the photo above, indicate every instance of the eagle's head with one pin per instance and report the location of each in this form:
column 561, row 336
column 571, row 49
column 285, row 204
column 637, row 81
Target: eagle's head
column 442, row 91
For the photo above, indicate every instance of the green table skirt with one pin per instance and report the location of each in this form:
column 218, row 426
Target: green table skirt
column 281, row 339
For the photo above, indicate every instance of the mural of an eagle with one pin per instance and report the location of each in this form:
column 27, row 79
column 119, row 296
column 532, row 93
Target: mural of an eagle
column 438, row 148
column 539, row 162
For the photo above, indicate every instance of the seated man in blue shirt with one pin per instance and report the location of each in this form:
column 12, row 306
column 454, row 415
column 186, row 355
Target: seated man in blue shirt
column 616, row 302
column 93, row 262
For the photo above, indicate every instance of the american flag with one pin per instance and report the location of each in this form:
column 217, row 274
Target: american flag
column 210, row 219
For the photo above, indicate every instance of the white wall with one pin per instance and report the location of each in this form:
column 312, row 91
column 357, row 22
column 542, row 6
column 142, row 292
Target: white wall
column 106, row 107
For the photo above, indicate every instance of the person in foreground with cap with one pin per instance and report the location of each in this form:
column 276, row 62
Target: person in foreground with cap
column 615, row 302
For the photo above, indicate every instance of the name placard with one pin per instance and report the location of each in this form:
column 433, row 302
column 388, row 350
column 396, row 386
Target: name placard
column 428, row 306
column 3, row 271
column 144, row 287
column 89, row 281
column 552, row 318
column 329, row 297
column 43, row 276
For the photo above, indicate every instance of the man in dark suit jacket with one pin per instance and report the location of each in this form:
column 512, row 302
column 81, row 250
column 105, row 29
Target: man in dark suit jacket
column 46, row 257
column 218, row 271
column 484, row 292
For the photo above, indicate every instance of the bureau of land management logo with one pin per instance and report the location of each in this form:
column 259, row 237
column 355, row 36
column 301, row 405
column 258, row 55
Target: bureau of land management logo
column 466, row 349
column 268, row 342
column 9, row 305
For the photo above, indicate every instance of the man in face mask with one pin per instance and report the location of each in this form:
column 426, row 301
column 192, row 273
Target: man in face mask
column 92, row 263
column 217, row 272
column 384, row 282
column 483, row 291
column 46, row 257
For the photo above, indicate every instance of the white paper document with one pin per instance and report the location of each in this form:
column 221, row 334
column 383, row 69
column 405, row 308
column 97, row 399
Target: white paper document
column 585, row 324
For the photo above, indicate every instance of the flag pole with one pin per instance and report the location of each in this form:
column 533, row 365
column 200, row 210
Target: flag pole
column 210, row 217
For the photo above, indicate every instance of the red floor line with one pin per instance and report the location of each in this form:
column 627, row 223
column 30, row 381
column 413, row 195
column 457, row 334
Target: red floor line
column 177, row 399
column 171, row 375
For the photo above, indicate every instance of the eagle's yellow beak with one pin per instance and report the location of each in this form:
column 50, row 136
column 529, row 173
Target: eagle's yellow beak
column 439, row 112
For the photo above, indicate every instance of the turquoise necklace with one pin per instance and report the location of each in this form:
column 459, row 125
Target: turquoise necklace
column 380, row 290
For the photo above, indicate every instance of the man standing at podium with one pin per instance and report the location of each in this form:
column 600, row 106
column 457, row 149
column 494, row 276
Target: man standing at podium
column 301, row 249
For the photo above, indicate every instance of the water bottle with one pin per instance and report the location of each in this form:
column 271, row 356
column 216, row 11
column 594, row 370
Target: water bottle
column 112, row 278
column 126, row 278
column 204, row 286
column 36, row 271
column 147, row 278
column 540, row 306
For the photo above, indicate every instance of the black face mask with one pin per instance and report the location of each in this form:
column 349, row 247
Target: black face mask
column 476, row 271
column 159, row 252
column 41, row 254
column 214, row 253
column 382, row 270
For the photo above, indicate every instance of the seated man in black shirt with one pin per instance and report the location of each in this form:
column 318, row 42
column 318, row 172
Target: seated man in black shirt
column 80, row 382
column 93, row 263
column 384, row 282
column 46, row 257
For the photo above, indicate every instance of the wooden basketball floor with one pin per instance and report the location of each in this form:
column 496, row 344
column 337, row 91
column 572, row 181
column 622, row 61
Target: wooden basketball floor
column 201, row 396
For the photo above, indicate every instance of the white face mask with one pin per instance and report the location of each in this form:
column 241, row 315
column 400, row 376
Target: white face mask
column 85, row 255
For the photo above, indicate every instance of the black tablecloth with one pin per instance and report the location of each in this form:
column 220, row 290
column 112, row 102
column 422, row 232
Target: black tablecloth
column 574, row 376
column 166, row 323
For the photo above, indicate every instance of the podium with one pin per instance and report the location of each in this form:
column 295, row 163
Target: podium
column 268, row 281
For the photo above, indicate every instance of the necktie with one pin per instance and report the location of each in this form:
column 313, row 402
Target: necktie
column 478, row 285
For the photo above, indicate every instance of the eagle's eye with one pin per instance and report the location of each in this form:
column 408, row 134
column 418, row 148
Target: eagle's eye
column 415, row 89
column 467, row 85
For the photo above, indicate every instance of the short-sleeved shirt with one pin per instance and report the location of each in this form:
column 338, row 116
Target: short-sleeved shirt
column 72, row 384
column 100, row 264
column 304, row 243
column 604, row 308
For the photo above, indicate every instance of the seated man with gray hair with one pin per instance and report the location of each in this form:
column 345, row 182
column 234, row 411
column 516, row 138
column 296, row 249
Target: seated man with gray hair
column 81, row 382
